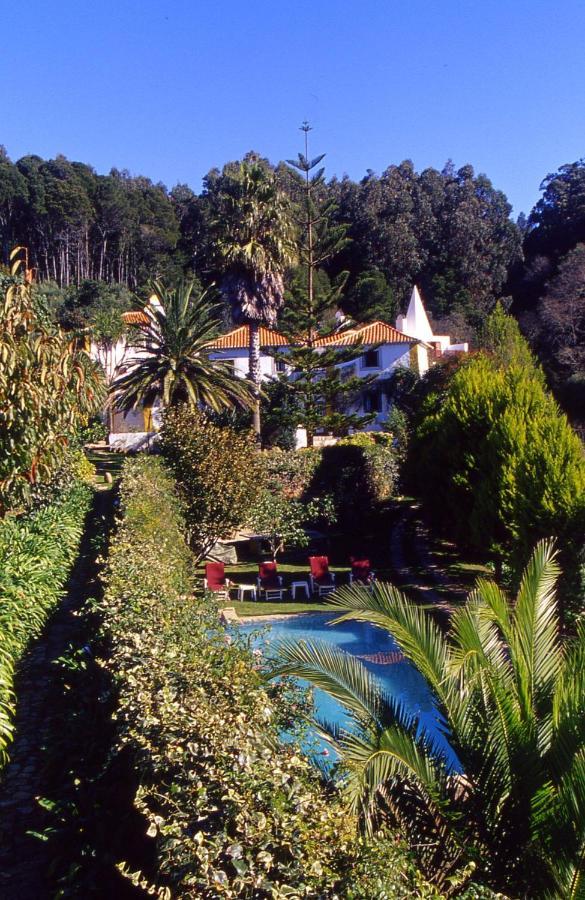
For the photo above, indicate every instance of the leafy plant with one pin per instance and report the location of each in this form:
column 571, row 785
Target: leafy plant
column 283, row 521
column 36, row 555
column 217, row 473
column 512, row 692
column 48, row 388
column 253, row 239
column 172, row 357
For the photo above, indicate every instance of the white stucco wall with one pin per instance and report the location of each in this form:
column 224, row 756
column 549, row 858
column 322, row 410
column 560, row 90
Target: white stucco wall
column 239, row 358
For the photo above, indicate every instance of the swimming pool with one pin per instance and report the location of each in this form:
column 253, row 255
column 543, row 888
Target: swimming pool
column 377, row 651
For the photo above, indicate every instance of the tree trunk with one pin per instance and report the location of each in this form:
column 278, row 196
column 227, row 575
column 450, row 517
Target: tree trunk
column 254, row 372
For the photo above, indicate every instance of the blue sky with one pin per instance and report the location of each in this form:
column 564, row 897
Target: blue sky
column 170, row 89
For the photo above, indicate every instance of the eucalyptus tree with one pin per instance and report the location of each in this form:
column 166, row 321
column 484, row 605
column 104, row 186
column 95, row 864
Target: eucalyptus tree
column 253, row 235
column 171, row 358
column 512, row 692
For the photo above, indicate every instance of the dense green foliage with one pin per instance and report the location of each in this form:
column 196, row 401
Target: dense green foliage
column 48, row 389
column 233, row 812
column 548, row 285
column 495, row 460
column 36, row 555
column 217, row 473
column 357, row 475
column 448, row 230
column 512, row 693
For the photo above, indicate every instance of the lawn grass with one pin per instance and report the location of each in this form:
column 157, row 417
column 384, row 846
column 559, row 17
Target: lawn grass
column 246, row 608
column 104, row 461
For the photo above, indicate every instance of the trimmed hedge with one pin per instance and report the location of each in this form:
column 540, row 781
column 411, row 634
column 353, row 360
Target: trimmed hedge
column 358, row 473
column 36, row 556
column 233, row 812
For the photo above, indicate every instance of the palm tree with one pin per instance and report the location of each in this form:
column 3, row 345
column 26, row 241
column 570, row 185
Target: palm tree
column 512, row 692
column 172, row 359
column 254, row 238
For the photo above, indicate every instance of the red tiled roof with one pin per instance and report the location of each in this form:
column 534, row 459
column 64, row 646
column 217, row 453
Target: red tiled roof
column 135, row 317
column 373, row 333
column 239, row 338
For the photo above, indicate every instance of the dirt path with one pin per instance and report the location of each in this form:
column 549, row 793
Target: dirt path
column 24, row 859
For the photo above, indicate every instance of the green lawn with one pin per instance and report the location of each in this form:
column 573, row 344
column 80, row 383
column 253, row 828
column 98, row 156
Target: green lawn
column 247, row 572
column 105, row 461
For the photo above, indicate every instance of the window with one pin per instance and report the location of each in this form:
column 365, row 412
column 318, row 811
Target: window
column 371, row 359
column 347, row 372
column 280, row 366
column 372, row 402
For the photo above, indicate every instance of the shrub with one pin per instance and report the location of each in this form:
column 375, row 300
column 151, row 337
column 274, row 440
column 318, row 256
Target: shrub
column 497, row 463
column 359, row 472
column 47, row 389
column 36, row 555
column 217, row 472
column 233, row 812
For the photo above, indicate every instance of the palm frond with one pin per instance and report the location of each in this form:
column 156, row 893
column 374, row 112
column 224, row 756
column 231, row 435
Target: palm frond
column 415, row 632
column 340, row 674
column 534, row 646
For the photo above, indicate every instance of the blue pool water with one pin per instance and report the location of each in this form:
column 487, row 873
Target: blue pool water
column 377, row 651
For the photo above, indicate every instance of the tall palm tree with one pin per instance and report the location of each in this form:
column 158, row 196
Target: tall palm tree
column 254, row 238
column 512, row 692
column 172, row 356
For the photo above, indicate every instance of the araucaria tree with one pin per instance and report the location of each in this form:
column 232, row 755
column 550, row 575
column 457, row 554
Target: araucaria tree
column 48, row 389
column 172, row 356
column 317, row 384
column 512, row 692
column 253, row 235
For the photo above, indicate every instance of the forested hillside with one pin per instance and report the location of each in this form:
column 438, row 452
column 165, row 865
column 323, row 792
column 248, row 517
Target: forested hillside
column 448, row 231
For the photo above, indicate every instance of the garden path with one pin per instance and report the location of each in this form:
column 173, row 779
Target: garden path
column 49, row 752
column 416, row 566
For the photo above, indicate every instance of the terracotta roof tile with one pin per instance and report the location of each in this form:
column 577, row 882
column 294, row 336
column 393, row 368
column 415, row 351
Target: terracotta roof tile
column 373, row 333
column 135, row 317
column 239, row 338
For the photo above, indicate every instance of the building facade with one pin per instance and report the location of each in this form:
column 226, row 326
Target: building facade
column 410, row 344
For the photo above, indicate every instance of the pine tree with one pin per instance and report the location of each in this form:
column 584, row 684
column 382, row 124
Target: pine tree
column 317, row 383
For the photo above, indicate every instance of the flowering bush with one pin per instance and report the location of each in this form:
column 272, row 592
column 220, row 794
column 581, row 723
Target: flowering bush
column 233, row 812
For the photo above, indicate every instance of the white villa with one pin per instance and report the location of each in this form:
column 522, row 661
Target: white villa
column 411, row 344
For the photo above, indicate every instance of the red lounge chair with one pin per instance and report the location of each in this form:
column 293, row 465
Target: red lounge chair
column 361, row 572
column 215, row 579
column 322, row 580
column 269, row 582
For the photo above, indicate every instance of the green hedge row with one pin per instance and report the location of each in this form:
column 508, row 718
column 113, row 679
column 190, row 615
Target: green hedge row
column 233, row 812
column 36, row 555
column 358, row 473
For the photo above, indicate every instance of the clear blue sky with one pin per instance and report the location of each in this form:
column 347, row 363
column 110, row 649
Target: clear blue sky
column 170, row 88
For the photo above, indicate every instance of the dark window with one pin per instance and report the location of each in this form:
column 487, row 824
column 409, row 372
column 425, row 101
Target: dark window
column 371, row 359
column 372, row 402
column 280, row 365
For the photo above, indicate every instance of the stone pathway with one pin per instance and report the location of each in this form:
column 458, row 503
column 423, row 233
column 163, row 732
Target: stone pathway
column 24, row 859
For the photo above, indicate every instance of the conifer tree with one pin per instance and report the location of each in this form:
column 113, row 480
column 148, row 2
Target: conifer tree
column 319, row 388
